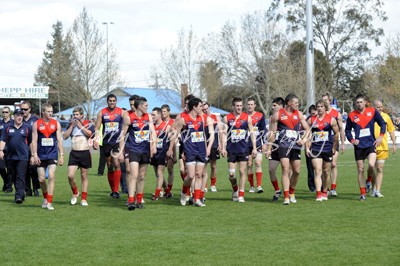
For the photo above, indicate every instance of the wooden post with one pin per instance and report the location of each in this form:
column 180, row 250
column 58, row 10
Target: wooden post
column 184, row 93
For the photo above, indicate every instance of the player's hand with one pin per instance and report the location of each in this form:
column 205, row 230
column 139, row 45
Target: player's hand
column 208, row 152
column 342, row 148
column 268, row 154
column 254, row 153
column 170, row 154
column 378, row 141
column 61, row 160
column 394, row 148
column 356, row 142
column 95, row 145
column 223, row 153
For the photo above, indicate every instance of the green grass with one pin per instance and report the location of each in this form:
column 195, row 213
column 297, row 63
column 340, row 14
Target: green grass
column 340, row 231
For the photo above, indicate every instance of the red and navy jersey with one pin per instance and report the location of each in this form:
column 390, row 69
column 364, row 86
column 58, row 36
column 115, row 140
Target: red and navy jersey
column 259, row 128
column 289, row 129
column 322, row 137
column 47, row 148
column 193, row 136
column 170, row 122
column 162, row 139
column 238, row 128
column 333, row 113
column 363, row 125
column 138, row 133
column 215, row 125
column 17, row 141
column 112, row 125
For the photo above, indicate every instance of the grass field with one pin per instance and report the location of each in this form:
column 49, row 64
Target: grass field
column 340, row 231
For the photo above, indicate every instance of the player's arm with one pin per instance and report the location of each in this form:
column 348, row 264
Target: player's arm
column 306, row 127
column 224, row 132
column 176, row 128
column 391, row 129
column 341, row 131
column 60, row 144
column 273, row 127
column 382, row 123
column 123, row 137
column 347, row 131
column 252, row 136
column 97, row 132
column 219, row 133
column 210, row 125
column 309, row 140
column 153, row 137
column 68, row 132
column 2, row 146
column 34, row 156
column 335, row 128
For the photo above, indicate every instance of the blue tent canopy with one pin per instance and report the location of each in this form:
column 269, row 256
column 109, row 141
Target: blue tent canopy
column 155, row 98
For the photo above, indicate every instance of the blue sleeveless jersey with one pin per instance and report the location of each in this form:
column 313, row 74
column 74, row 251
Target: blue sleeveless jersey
column 112, row 125
column 162, row 139
column 138, row 134
column 47, row 148
column 193, row 136
column 238, row 128
column 322, row 134
column 289, row 129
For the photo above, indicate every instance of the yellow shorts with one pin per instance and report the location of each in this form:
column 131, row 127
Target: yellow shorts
column 382, row 155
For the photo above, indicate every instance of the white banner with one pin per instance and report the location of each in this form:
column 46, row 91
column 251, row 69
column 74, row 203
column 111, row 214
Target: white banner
column 25, row 92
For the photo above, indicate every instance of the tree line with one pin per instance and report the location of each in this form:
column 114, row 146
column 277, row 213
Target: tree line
column 262, row 56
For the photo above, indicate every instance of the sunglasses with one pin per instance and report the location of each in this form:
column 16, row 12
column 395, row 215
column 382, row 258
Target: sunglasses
column 5, row 112
column 24, row 109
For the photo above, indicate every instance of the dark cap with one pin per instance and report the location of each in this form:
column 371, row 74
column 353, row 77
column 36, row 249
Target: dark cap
column 18, row 112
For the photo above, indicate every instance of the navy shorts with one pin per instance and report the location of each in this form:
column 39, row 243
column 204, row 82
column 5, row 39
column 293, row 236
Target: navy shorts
column 238, row 157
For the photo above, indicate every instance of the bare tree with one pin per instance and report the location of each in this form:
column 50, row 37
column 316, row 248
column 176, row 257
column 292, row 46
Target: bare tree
column 91, row 60
column 179, row 65
column 253, row 56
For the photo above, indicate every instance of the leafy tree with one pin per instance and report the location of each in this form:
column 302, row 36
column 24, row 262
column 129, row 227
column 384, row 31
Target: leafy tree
column 57, row 71
column 342, row 28
column 211, row 81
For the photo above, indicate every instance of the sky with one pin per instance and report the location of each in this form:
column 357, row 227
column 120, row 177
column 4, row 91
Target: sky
column 141, row 29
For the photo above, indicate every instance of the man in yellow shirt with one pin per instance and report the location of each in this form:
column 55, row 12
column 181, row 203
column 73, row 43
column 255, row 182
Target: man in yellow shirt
column 382, row 151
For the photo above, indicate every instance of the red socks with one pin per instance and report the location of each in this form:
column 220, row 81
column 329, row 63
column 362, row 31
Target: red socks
column 275, row 184
column 75, row 190
column 84, row 195
column 139, row 197
column 259, row 178
column 250, row 178
column 49, row 198
column 213, row 181
column 110, row 177
column 117, row 179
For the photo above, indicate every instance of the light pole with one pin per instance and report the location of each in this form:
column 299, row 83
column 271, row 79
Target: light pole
column 108, row 76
